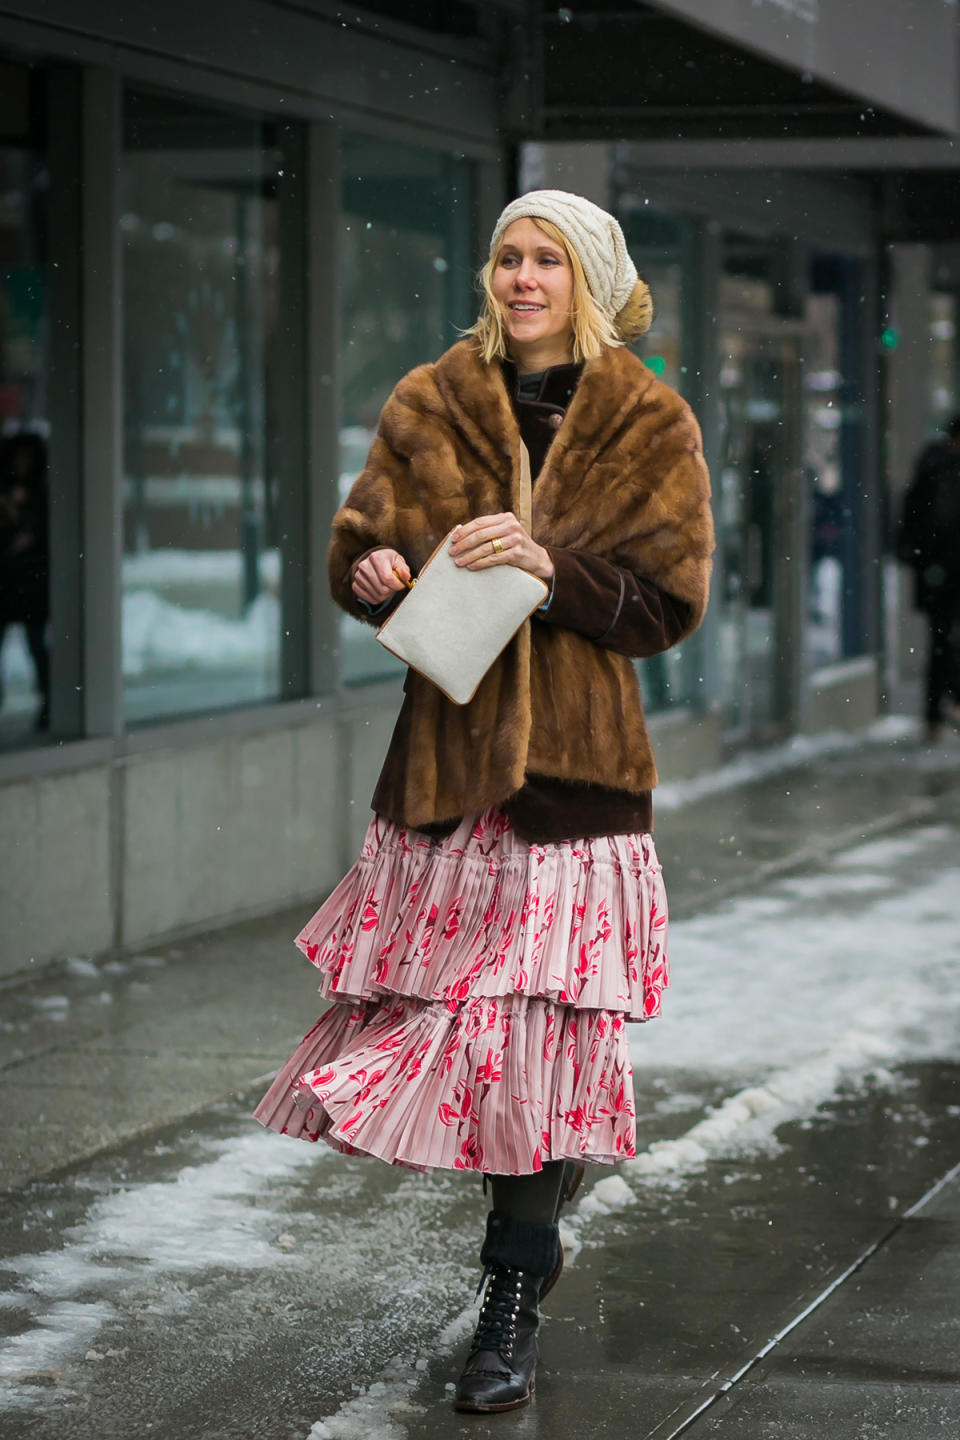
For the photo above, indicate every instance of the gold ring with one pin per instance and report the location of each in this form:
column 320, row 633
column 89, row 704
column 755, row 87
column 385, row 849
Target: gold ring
column 497, row 547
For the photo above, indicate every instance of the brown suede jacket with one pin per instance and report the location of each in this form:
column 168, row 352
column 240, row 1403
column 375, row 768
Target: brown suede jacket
column 606, row 603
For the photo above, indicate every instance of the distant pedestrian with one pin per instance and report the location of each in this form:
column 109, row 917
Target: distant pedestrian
column 507, row 915
column 24, row 555
column 928, row 541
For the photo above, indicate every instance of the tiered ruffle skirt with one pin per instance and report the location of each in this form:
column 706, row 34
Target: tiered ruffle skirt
column 481, row 987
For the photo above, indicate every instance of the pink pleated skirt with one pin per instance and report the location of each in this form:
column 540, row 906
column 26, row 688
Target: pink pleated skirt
column 481, row 987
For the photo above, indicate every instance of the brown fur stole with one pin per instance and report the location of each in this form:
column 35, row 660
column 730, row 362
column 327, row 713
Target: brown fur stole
column 624, row 479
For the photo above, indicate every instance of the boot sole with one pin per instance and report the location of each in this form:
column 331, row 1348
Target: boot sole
column 467, row 1408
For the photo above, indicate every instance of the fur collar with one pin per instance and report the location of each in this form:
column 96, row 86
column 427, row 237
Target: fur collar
column 476, row 398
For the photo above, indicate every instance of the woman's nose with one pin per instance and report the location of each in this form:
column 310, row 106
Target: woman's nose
column 525, row 277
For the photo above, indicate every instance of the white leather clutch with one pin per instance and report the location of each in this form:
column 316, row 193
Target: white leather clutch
column 454, row 622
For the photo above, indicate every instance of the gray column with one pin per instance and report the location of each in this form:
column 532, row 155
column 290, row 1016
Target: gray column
column 102, row 405
column 293, row 406
column 102, row 372
column 908, row 388
column 323, row 395
column 908, row 367
column 701, row 269
column 64, row 390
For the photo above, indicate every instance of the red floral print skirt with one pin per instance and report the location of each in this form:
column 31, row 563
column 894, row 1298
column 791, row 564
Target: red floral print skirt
column 481, row 990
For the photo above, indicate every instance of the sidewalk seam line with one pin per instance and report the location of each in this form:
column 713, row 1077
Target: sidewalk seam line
column 732, row 1381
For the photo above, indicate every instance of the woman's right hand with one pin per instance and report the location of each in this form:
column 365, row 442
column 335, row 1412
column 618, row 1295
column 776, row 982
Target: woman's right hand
column 380, row 575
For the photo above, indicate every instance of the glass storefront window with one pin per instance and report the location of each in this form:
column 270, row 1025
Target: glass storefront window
column 671, row 678
column 407, row 285
column 201, row 272
column 760, row 389
column 659, row 247
column 823, row 470
column 25, row 420
column 758, row 386
column 832, row 460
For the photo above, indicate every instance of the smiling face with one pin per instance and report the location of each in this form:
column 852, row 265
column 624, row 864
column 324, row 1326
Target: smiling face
column 532, row 283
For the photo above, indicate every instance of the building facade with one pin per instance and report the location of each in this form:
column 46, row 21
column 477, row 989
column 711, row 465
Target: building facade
column 225, row 233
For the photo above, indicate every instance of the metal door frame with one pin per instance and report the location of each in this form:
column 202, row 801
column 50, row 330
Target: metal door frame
column 790, row 539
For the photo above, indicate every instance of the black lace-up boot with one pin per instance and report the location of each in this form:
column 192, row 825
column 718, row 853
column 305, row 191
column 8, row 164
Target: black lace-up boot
column 517, row 1255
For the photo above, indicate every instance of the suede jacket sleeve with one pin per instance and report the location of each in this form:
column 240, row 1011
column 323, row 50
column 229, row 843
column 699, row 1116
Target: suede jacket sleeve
column 366, row 521
column 611, row 606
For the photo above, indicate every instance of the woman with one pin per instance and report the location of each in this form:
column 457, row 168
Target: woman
column 507, row 916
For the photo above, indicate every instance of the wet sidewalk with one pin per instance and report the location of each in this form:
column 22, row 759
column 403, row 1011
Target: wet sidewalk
column 811, row 1294
column 876, row 1353
column 769, row 1266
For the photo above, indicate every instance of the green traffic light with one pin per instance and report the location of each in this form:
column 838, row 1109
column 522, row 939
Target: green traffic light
column 890, row 338
column 656, row 363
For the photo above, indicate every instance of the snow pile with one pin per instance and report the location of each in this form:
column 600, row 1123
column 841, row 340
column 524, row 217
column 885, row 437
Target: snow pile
column 377, row 1412
column 604, row 1197
column 770, row 981
column 65, row 1329
column 55, row 1007
column 747, row 1121
column 168, row 566
column 798, row 750
column 204, row 1218
column 158, row 635
column 16, row 665
column 82, row 967
column 158, row 632
column 822, row 980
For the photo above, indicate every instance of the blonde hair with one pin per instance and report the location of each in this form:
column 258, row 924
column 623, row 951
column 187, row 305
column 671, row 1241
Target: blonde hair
column 592, row 327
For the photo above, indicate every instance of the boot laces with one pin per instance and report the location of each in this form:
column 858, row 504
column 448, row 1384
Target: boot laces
column 497, row 1325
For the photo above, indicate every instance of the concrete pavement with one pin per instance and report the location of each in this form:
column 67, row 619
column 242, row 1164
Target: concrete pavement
column 138, row 1200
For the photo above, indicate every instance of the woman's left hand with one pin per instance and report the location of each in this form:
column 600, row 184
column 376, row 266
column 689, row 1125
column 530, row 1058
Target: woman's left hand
column 473, row 546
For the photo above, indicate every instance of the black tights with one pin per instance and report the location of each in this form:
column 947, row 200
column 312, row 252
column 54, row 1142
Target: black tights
column 531, row 1197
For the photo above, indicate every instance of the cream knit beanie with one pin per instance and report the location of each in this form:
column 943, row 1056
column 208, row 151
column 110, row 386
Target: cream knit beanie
column 598, row 240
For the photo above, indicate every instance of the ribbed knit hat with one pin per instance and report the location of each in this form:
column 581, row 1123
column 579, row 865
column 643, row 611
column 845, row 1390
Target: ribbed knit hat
column 597, row 238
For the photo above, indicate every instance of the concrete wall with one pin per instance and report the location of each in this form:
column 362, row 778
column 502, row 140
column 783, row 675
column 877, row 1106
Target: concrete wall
column 178, row 837
column 685, row 743
column 55, row 874
column 228, row 828
column 845, row 697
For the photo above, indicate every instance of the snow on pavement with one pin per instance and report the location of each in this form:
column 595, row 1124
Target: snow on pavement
column 775, row 977
column 791, row 753
column 211, row 1214
column 821, row 981
column 785, row 994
